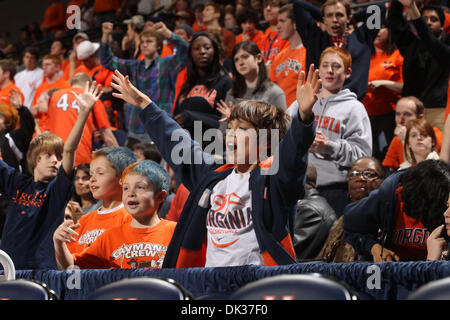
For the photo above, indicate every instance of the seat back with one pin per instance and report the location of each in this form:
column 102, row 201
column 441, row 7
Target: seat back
column 23, row 289
column 434, row 290
column 141, row 288
column 8, row 266
column 294, row 287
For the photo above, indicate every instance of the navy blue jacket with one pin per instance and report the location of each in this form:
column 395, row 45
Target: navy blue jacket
column 35, row 210
column 364, row 218
column 273, row 197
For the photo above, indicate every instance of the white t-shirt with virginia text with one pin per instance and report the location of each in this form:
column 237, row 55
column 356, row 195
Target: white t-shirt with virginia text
column 230, row 233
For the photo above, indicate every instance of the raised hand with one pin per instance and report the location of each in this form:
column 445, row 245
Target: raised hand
column 128, row 92
column 162, row 29
column 107, row 28
column 224, row 109
column 307, row 92
column 15, row 98
column 89, row 97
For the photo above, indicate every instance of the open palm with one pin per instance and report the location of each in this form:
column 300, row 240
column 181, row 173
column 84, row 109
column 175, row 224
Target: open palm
column 307, row 92
column 127, row 91
column 89, row 97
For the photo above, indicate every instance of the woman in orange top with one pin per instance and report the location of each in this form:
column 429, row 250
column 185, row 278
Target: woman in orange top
column 385, row 85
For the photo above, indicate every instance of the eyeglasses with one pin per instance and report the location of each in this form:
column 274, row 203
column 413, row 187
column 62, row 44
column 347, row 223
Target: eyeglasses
column 366, row 174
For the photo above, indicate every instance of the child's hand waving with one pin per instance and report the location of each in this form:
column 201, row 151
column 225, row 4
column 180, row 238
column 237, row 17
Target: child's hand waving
column 128, row 92
column 89, row 97
column 307, row 91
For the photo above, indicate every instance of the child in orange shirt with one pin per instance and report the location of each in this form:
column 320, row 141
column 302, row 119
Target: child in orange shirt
column 143, row 242
column 105, row 170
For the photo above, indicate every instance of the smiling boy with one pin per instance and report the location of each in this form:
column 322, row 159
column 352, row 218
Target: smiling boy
column 140, row 243
column 343, row 129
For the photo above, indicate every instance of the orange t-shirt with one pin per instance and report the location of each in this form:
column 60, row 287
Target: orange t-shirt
column 196, row 27
column 99, row 73
column 257, row 37
column 410, row 236
column 128, row 248
column 66, row 68
column 4, row 93
column 394, row 155
column 107, row 5
column 272, row 44
column 285, row 69
column 62, row 115
column 383, row 67
column 54, row 16
column 447, row 22
column 95, row 223
column 41, row 93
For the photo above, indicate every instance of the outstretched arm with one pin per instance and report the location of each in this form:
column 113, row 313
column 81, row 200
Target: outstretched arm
column 182, row 153
column 86, row 102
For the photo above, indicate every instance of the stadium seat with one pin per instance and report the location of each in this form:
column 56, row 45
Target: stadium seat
column 8, row 266
column 141, row 288
column 434, row 290
column 22, row 289
column 294, row 287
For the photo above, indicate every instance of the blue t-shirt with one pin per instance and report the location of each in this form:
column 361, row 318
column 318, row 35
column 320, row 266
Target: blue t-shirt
column 35, row 210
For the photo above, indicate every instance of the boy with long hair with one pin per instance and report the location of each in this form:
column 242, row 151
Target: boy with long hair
column 237, row 213
column 36, row 204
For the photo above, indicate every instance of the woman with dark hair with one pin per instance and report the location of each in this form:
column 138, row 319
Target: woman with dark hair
column 82, row 200
column 250, row 80
column 394, row 221
column 384, row 88
column 207, row 83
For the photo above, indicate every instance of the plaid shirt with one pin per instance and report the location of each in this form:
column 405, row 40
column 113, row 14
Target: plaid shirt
column 156, row 80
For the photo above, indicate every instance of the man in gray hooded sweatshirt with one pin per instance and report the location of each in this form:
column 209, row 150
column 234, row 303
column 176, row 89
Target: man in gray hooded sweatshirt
column 343, row 132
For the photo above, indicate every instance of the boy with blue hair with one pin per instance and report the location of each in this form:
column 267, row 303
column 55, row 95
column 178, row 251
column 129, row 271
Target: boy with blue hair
column 106, row 171
column 141, row 243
